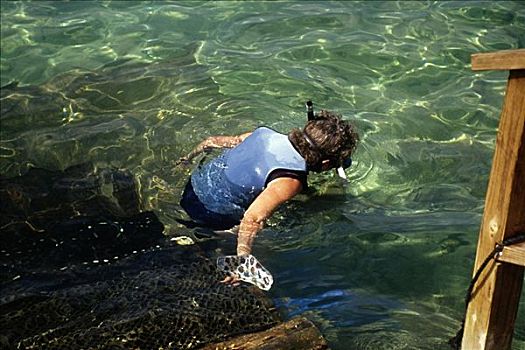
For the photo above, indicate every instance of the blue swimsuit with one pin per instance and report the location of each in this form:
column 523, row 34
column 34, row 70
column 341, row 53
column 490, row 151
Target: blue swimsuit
column 219, row 192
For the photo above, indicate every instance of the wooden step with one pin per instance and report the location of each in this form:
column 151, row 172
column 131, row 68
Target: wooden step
column 297, row 334
column 514, row 254
column 501, row 60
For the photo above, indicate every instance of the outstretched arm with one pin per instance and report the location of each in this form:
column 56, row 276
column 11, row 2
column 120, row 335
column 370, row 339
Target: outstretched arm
column 276, row 193
column 214, row 142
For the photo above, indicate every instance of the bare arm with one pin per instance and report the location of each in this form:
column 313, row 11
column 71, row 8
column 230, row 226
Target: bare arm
column 278, row 191
column 215, row 142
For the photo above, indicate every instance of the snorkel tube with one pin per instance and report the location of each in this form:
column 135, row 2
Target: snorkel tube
column 310, row 110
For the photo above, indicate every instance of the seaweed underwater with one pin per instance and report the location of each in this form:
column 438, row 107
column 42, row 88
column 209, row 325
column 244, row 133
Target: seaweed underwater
column 83, row 265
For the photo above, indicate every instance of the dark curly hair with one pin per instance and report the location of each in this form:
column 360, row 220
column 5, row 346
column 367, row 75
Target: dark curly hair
column 333, row 138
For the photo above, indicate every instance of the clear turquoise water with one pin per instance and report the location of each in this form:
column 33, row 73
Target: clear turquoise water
column 380, row 263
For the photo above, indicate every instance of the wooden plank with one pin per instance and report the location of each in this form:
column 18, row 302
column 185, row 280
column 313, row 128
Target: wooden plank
column 296, row 334
column 500, row 60
column 514, row 254
column 492, row 311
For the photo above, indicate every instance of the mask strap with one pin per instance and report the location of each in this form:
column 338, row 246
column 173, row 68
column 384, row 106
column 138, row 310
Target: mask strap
column 310, row 142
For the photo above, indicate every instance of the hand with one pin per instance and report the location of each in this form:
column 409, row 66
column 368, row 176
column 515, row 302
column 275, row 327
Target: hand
column 182, row 160
column 244, row 268
column 231, row 281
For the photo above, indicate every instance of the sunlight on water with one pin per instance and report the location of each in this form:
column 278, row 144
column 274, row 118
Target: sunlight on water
column 380, row 263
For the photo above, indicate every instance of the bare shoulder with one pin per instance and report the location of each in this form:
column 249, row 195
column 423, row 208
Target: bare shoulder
column 285, row 186
column 244, row 136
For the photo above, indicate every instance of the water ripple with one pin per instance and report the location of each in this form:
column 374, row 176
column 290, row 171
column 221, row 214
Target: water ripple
column 135, row 85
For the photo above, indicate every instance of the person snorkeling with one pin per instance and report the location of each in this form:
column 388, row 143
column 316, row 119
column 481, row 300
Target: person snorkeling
column 261, row 170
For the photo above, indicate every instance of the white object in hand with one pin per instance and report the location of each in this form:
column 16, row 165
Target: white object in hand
column 246, row 268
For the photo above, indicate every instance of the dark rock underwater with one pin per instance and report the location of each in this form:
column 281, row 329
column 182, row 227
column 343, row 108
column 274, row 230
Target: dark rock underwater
column 82, row 266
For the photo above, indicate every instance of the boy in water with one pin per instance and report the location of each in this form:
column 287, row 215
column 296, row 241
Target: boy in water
column 262, row 170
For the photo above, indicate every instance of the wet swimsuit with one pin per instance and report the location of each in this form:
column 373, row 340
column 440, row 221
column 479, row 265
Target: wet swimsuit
column 219, row 192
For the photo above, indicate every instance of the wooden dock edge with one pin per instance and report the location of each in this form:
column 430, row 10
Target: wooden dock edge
column 501, row 60
column 513, row 254
column 296, row 334
column 492, row 311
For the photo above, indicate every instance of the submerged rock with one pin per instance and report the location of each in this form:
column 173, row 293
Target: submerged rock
column 82, row 266
column 164, row 298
